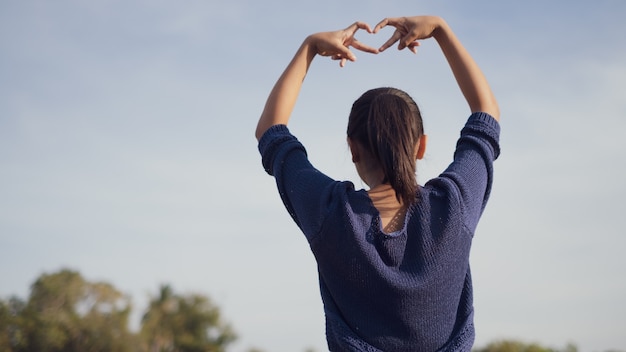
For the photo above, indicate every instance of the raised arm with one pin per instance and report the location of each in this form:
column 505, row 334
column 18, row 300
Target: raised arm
column 283, row 97
column 468, row 75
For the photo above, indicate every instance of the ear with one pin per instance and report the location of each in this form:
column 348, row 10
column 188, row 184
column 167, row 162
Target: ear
column 420, row 148
column 354, row 150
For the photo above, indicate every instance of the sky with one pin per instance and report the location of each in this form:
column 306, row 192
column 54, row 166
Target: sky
column 127, row 152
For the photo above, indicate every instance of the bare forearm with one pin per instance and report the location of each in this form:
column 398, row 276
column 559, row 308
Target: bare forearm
column 283, row 96
column 335, row 44
column 468, row 75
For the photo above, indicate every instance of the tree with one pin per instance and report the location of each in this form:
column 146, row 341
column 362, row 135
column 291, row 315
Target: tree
column 6, row 321
column 184, row 323
column 66, row 313
column 12, row 324
column 518, row 346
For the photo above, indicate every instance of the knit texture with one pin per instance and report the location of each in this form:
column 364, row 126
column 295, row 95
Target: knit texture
column 407, row 292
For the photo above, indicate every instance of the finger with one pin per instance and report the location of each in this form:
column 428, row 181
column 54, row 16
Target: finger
column 342, row 63
column 394, row 21
column 347, row 54
column 382, row 24
column 343, row 52
column 362, row 47
column 413, row 46
column 407, row 40
column 358, row 25
column 343, row 57
column 394, row 38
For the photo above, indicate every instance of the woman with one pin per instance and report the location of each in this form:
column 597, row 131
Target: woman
column 393, row 261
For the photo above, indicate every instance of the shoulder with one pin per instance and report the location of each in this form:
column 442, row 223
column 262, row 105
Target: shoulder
column 346, row 210
column 466, row 183
column 439, row 195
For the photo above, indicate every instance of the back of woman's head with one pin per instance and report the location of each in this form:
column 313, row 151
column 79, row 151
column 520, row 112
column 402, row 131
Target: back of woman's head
column 388, row 124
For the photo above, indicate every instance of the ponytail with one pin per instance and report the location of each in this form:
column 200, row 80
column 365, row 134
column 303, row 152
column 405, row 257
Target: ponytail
column 387, row 122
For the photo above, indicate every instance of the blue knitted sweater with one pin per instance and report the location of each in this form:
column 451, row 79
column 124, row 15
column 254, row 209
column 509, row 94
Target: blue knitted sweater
column 409, row 291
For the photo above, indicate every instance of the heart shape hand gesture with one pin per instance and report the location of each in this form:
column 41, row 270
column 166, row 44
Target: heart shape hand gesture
column 408, row 30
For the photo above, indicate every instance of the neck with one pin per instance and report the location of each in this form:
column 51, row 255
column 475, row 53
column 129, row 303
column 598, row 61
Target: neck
column 391, row 210
column 384, row 198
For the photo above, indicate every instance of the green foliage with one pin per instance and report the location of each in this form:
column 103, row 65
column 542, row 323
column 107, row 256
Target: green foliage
column 188, row 323
column 5, row 326
column 518, row 346
column 66, row 313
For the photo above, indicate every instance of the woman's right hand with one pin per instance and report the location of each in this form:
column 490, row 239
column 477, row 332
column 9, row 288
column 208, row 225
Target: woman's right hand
column 468, row 75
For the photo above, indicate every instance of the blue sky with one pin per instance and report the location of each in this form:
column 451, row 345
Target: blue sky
column 127, row 153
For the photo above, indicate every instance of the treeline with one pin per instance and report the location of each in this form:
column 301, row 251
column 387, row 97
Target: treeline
column 66, row 313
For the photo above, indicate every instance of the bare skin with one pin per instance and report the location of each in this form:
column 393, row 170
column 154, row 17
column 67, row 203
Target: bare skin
column 468, row 75
column 391, row 211
column 283, row 97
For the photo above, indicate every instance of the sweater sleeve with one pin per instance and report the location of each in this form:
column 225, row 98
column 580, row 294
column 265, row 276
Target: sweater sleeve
column 470, row 175
column 306, row 192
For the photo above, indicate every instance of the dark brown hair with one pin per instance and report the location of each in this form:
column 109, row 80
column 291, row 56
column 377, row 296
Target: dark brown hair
column 388, row 123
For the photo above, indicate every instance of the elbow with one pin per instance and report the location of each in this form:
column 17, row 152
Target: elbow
column 258, row 133
column 489, row 106
column 494, row 111
column 494, row 108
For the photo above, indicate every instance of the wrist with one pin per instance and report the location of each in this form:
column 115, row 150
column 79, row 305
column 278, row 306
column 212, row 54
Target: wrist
column 310, row 43
column 309, row 47
column 440, row 28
